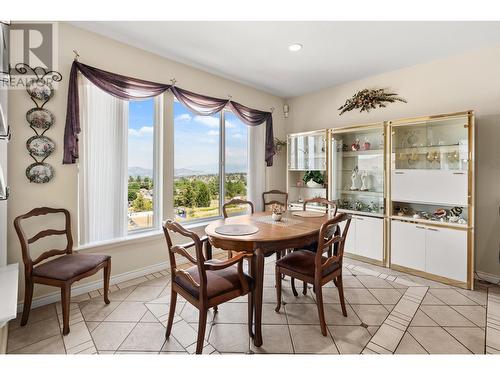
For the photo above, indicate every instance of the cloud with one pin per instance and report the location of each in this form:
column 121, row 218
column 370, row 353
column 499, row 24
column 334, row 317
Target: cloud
column 237, row 136
column 213, row 132
column 230, row 125
column 212, row 122
column 183, row 117
column 145, row 130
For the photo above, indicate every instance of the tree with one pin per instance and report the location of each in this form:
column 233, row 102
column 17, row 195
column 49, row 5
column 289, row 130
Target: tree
column 132, row 195
column 141, row 204
column 138, row 179
column 188, row 196
column 134, row 186
column 202, row 196
column 130, row 179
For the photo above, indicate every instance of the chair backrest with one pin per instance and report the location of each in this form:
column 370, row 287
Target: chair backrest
column 330, row 234
column 276, row 197
column 233, row 202
column 26, row 242
column 172, row 226
column 331, row 206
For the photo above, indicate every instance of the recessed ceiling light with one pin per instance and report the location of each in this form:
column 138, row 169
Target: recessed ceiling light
column 295, row 47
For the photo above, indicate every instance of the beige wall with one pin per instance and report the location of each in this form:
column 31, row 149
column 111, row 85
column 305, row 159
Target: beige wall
column 62, row 190
column 468, row 81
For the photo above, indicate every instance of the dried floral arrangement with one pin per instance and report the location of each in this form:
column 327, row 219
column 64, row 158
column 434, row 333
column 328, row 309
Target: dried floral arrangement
column 277, row 209
column 279, row 145
column 365, row 100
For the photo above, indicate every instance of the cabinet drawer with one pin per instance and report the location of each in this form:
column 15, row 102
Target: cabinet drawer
column 369, row 237
column 408, row 245
column 446, row 253
column 430, row 186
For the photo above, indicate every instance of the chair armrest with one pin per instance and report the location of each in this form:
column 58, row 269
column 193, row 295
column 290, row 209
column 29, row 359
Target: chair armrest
column 214, row 265
column 191, row 243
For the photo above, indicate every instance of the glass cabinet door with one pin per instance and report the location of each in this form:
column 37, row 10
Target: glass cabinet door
column 440, row 144
column 357, row 170
column 307, row 151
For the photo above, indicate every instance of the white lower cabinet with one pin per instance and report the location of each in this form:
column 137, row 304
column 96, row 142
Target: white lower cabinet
column 437, row 251
column 446, row 253
column 366, row 237
column 408, row 245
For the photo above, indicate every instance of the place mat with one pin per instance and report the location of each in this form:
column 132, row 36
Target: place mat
column 308, row 213
column 285, row 222
column 236, row 229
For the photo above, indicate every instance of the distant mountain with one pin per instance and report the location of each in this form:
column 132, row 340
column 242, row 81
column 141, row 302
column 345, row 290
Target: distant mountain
column 139, row 171
column 182, row 172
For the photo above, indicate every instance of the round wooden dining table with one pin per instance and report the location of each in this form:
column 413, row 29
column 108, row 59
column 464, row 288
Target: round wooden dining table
column 291, row 232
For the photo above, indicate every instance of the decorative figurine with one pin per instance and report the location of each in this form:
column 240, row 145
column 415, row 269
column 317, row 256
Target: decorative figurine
column 364, row 181
column 366, row 145
column 355, row 145
column 354, row 177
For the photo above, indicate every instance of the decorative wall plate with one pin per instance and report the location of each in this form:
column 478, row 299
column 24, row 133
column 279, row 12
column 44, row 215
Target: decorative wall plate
column 39, row 173
column 40, row 145
column 39, row 89
column 40, row 118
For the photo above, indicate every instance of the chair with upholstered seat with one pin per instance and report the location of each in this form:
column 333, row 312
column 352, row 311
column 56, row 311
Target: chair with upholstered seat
column 60, row 272
column 208, row 283
column 275, row 197
column 331, row 209
column 315, row 268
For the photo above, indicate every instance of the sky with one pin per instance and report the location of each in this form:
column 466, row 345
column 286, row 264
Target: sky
column 196, row 139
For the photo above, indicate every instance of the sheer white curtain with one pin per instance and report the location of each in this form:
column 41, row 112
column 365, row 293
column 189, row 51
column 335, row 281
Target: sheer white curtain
column 102, row 165
column 256, row 165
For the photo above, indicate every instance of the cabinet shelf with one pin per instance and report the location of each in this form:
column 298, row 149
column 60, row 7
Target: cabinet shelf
column 307, row 187
column 361, row 213
column 445, row 224
column 359, row 192
column 352, row 154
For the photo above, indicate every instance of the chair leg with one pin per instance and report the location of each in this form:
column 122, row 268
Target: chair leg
column 202, row 323
column 278, row 289
column 321, row 310
column 216, row 309
column 28, row 296
column 250, row 314
column 65, row 299
column 171, row 312
column 304, row 288
column 294, row 291
column 107, row 275
column 340, row 288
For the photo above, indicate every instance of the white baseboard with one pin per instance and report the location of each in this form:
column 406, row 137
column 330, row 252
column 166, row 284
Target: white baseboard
column 88, row 287
column 494, row 279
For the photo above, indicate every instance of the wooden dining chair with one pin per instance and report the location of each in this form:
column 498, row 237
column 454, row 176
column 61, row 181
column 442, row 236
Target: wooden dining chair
column 206, row 284
column 317, row 269
column 276, row 197
column 62, row 271
column 233, row 202
column 331, row 209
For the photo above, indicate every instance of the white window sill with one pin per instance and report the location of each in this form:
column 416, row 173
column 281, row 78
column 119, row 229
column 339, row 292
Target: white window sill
column 141, row 237
column 150, row 235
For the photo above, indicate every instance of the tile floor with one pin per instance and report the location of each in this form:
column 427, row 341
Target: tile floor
column 388, row 312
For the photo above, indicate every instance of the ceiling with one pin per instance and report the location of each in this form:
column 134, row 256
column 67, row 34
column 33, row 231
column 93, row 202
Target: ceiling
column 256, row 53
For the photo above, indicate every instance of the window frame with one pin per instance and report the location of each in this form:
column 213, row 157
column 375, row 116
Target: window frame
column 158, row 124
column 221, row 171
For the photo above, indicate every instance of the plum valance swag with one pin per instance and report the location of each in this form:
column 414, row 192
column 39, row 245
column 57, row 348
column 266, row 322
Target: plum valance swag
column 128, row 88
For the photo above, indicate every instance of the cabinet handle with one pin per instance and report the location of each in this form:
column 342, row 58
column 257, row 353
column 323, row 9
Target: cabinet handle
column 360, row 218
column 458, row 173
column 419, row 227
column 433, row 229
column 399, row 173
